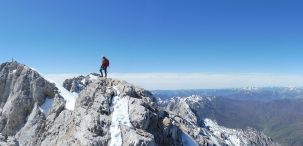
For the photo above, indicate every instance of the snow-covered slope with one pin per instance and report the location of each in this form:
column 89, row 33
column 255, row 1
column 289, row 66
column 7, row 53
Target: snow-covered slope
column 70, row 97
column 120, row 117
column 234, row 137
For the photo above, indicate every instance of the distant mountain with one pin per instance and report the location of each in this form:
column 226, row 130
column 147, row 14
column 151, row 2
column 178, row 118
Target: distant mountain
column 249, row 93
column 93, row 111
column 281, row 119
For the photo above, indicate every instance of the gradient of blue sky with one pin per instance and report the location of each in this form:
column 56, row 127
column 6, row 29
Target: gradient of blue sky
column 213, row 36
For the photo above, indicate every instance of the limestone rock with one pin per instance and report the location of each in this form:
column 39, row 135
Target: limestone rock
column 107, row 112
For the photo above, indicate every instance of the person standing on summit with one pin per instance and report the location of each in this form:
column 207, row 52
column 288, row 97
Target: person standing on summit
column 104, row 65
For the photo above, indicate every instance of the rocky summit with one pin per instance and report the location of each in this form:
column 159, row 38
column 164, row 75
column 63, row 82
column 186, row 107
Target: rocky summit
column 35, row 111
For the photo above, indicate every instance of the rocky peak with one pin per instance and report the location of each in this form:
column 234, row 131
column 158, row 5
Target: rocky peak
column 106, row 112
column 21, row 89
column 128, row 115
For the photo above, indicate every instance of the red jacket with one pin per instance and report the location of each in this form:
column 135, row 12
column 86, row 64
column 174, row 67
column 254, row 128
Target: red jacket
column 105, row 63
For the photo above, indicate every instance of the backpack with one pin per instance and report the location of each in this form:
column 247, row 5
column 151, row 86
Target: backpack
column 106, row 62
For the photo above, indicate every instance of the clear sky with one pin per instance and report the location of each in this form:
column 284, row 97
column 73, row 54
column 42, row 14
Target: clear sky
column 154, row 36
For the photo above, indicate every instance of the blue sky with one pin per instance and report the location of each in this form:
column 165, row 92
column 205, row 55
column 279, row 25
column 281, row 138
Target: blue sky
column 154, row 36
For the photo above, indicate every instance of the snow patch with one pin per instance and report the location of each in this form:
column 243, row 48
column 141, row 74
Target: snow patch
column 233, row 137
column 83, row 81
column 69, row 97
column 188, row 140
column 47, row 105
column 92, row 77
column 14, row 71
column 234, row 140
column 189, row 112
column 32, row 69
column 120, row 116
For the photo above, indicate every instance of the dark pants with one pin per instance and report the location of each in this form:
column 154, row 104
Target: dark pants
column 105, row 71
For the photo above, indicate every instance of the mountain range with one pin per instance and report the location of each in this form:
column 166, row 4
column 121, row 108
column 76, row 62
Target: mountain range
column 248, row 93
column 279, row 117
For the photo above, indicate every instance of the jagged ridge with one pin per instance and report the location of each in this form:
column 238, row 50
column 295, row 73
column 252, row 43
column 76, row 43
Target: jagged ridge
column 106, row 112
column 188, row 106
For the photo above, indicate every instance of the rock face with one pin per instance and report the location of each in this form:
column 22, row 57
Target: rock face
column 22, row 93
column 219, row 135
column 77, row 84
column 121, row 114
column 106, row 112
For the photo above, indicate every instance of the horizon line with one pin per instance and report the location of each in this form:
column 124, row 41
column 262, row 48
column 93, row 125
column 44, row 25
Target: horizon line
column 191, row 81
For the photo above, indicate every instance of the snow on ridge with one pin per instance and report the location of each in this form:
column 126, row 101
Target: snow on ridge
column 120, row 116
column 83, row 81
column 189, row 99
column 233, row 136
column 68, row 96
column 189, row 113
column 196, row 98
column 93, row 77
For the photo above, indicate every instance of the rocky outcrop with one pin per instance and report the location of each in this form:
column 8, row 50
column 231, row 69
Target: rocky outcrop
column 95, row 120
column 216, row 134
column 140, row 123
column 22, row 92
column 77, row 84
column 106, row 112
